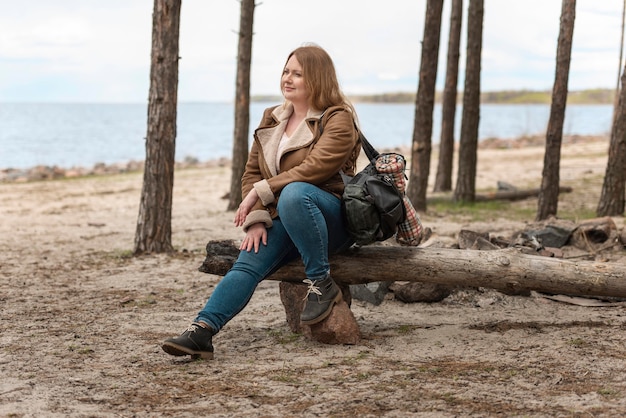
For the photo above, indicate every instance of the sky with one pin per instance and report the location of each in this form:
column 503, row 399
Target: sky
column 99, row 51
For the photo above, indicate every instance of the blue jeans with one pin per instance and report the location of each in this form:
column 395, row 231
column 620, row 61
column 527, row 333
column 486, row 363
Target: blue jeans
column 310, row 225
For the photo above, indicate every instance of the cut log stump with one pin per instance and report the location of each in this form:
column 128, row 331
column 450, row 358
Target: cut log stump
column 340, row 327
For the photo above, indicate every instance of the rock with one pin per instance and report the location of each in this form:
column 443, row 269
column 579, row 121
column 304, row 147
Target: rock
column 340, row 327
column 420, row 292
column 373, row 293
column 551, row 236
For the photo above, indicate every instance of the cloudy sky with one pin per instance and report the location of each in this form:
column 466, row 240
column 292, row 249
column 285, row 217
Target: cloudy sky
column 99, row 51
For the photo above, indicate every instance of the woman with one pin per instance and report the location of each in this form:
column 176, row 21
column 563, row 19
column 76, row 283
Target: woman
column 291, row 207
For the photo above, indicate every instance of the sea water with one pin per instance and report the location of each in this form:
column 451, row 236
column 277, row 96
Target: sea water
column 82, row 135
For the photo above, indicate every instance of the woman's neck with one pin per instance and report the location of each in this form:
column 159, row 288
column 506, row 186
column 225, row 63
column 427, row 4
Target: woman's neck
column 298, row 115
column 300, row 110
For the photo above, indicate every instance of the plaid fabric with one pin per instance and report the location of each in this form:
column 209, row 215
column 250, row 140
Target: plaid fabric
column 410, row 230
column 394, row 165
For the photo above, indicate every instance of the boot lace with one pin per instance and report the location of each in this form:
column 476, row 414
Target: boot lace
column 193, row 328
column 312, row 288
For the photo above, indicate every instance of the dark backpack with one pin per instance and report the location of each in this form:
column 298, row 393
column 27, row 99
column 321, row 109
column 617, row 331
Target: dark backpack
column 372, row 204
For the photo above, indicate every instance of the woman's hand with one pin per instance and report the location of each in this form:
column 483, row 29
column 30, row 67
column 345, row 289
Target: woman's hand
column 245, row 207
column 256, row 234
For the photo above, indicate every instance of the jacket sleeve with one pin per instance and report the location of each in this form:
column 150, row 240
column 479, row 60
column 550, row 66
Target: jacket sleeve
column 252, row 174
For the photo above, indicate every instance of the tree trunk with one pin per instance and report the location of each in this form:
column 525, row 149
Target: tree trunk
column 425, row 102
column 549, row 196
column 611, row 201
column 613, row 187
column 242, row 103
column 443, row 180
column 154, row 223
column 468, row 144
column 508, row 270
column 619, row 65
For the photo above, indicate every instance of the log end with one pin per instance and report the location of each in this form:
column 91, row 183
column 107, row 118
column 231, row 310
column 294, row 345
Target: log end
column 221, row 255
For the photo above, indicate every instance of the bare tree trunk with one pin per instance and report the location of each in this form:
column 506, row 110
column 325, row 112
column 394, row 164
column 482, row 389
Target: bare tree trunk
column 425, row 102
column 443, row 180
column 468, row 144
column 242, row 103
column 154, row 223
column 619, row 65
column 611, row 201
column 549, row 196
column 613, row 187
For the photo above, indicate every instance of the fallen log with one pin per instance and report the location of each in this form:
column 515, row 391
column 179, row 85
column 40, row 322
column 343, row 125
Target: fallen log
column 514, row 195
column 507, row 270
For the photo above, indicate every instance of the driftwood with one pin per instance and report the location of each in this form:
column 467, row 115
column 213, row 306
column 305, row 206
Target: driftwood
column 515, row 194
column 508, row 270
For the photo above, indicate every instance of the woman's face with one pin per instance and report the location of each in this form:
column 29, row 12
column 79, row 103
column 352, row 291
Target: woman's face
column 292, row 82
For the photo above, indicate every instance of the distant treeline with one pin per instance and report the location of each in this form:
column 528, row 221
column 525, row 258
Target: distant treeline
column 593, row 96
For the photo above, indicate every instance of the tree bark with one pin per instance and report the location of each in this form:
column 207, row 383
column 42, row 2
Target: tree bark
column 468, row 144
column 619, row 64
column 242, row 103
column 443, row 179
column 508, row 270
column 611, row 201
column 154, row 222
column 425, row 103
column 549, row 196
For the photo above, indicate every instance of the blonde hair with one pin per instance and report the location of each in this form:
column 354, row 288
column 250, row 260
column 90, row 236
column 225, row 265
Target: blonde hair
column 320, row 78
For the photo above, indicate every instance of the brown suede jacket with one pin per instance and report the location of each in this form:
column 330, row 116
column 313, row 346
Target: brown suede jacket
column 309, row 157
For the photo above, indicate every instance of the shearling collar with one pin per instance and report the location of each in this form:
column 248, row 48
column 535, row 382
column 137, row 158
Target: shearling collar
column 269, row 138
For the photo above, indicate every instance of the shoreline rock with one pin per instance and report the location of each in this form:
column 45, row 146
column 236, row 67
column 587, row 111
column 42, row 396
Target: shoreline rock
column 45, row 173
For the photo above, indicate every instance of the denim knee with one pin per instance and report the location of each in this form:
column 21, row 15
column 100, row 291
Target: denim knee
column 291, row 196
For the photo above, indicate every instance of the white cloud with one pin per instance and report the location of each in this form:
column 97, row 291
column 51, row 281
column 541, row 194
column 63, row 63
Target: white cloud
column 388, row 76
column 87, row 50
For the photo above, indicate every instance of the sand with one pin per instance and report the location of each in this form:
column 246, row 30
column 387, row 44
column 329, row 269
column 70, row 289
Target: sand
column 82, row 320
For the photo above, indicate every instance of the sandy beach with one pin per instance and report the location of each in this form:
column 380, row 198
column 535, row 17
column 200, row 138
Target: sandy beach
column 82, row 320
